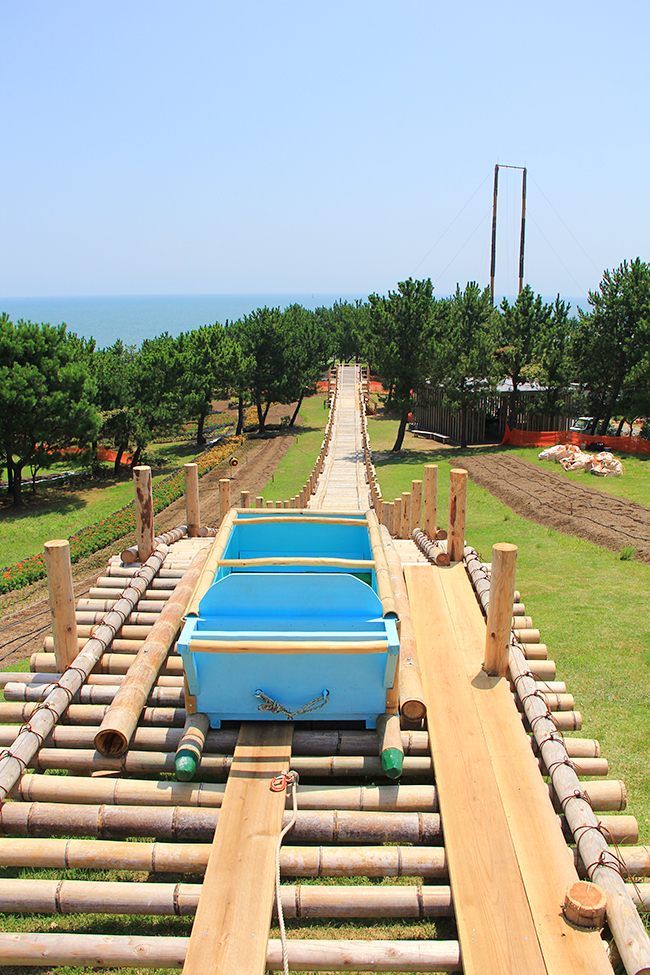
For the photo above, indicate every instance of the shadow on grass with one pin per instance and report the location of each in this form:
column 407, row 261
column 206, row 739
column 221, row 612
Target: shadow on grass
column 420, row 455
column 40, row 504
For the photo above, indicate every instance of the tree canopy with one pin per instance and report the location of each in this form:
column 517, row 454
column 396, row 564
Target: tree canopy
column 613, row 344
column 402, row 343
column 467, row 340
column 46, row 393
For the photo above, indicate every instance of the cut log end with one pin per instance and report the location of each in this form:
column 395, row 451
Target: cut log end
column 111, row 744
column 585, row 905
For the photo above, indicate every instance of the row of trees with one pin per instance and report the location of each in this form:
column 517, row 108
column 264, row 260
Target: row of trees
column 56, row 389
column 466, row 346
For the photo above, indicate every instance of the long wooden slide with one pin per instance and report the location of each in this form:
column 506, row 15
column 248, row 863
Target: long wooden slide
column 495, row 820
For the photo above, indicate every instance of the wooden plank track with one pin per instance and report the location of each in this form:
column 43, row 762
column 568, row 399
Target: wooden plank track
column 508, row 890
column 233, row 918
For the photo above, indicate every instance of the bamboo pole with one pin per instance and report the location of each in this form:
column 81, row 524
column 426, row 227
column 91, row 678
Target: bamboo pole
column 289, row 646
column 197, row 824
column 390, row 745
column 212, row 562
column 110, row 663
column 114, row 951
column 384, row 798
column 190, row 747
column 143, row 511
column 94, row 694
column 167, row 735
column 61, row 591
column 92, row 714
column 43, row 720
column 499, row 616
column 291, row 560
column 224, row 498
column 457, row 513
column 192, row 504
column 430, row 518
column 119, row 724
column 411, row 694
column 416, row 506
column 382, row 573
column 167, row 900
column 136, row 762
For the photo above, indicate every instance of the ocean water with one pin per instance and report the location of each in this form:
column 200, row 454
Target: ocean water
column 133, row 318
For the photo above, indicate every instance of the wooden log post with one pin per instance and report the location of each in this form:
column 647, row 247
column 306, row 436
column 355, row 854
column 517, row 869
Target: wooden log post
column 245, row 499
column 224, row 497
column 269, row 504
column 397, row 518
column 192, row 504
column 405, row 515
column 59, row 584
column 143, row 511
column 416, row 506
column 499, row 617
column 259, row 501
column 190, row 747
column 457, row 513
column 430, row 517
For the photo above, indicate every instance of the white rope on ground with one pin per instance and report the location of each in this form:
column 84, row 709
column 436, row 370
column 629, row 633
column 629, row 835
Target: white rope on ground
column 278, row 784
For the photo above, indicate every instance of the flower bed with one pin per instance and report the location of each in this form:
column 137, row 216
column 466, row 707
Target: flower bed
column 117, row 525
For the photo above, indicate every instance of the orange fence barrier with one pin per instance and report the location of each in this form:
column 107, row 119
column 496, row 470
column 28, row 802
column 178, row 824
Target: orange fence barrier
column 548, row 438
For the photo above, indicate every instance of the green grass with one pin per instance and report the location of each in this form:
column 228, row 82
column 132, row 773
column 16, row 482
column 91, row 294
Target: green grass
column 296, row 466
column 58, row 512
column 591, row 608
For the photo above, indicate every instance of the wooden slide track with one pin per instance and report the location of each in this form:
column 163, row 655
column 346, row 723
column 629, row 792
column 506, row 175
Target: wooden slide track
column 486, row 848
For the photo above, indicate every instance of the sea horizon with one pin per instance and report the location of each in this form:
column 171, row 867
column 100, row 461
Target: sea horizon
column 134, row 318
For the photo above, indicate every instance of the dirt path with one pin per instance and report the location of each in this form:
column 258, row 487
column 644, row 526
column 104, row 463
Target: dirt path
column 23, row 628
column 551, row 499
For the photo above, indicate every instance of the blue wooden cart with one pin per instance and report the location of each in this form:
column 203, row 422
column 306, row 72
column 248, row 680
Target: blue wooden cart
column 293, row 616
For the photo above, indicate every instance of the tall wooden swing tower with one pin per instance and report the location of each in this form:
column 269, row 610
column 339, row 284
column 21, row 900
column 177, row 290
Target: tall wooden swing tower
column 493, row 258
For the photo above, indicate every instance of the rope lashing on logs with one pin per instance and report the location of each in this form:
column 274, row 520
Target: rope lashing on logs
column 278, row 784
column 618, row 864
column 268, row 704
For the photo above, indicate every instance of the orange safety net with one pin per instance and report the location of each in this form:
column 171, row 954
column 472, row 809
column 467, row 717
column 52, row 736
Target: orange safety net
column 548, row 438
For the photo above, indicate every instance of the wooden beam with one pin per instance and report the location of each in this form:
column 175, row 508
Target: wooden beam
column 495, row 927
column 233, row 918
column 445, row 608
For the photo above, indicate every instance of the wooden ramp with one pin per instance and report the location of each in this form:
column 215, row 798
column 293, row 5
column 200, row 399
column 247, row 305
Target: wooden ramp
column 342, row 483
column 509, row 865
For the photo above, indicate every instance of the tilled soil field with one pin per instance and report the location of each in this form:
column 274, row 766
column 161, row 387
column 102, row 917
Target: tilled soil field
column 551, row 499
column 25, row 626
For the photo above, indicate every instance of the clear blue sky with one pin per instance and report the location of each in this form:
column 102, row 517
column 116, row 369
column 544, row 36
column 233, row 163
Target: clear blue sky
column 155, row 147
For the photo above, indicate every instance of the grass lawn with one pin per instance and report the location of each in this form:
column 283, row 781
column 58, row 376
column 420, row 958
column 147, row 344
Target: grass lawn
column 296, row 466
column 58, row 511
column 590, row 606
